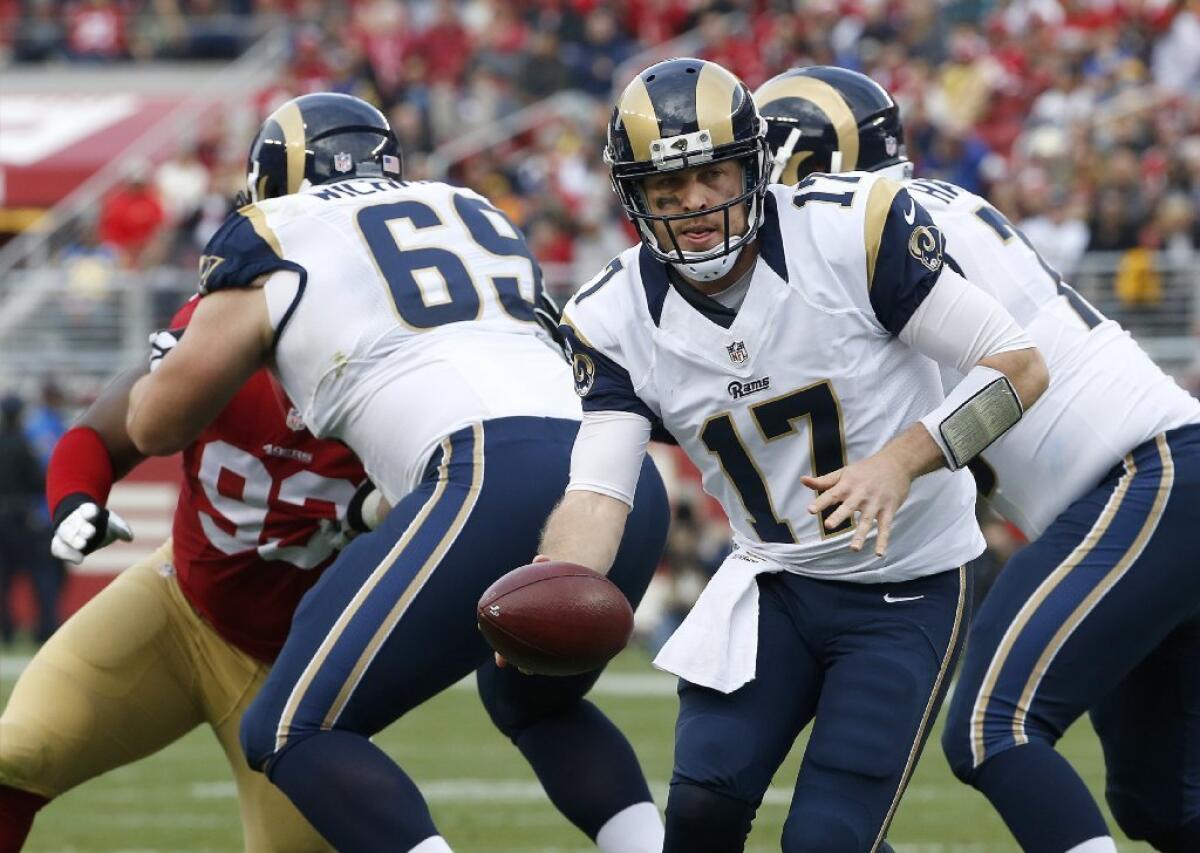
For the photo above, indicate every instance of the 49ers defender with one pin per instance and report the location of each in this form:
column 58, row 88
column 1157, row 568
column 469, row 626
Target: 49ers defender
column 187, row 635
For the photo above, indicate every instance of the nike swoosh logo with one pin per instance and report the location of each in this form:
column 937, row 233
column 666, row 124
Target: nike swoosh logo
column 894, row 599
column 911, row 215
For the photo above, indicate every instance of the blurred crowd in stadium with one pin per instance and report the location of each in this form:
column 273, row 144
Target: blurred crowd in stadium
column 1079, row 119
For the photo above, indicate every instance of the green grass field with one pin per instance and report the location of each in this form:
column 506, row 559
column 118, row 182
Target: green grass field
column 483, row 796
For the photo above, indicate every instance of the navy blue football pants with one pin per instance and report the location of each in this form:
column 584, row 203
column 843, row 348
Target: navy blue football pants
column 869, row 671
column 1101, row 613
column 392, row 622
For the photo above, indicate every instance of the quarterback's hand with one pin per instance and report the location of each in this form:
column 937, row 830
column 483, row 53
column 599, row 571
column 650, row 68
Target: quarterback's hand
column 500, row 661
column 87, row 528
column 336, row 532
column 161, row 343
column 367, row 509
column 874, row 488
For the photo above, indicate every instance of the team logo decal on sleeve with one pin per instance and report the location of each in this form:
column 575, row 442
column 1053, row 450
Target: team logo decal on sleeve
column 925, row 245
column 737, row 352
column 585, row 373
column 208, row 263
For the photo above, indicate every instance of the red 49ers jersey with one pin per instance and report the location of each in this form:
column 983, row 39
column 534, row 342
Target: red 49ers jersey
column 247, row 535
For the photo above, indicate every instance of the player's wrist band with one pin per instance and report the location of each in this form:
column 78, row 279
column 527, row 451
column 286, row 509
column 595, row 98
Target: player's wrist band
column 80, row 464
column 69, row 504
column 975, row 413
column 363, row 508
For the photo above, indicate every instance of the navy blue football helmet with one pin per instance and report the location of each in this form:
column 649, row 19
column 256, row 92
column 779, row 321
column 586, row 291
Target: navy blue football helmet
column 826, row 119
column 317, row 138
column 682, row 113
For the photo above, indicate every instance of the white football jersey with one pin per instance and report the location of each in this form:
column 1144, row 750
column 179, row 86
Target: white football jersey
column 808, row 376
column 1106, row 396
column 411, row 317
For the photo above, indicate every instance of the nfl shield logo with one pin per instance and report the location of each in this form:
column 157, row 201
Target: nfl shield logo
column 295, row 420
column 737, row 352
column 890, row 146
column 342, row 162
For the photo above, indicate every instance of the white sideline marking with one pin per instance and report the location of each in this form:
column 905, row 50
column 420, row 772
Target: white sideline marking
column 635, row 684
column 630, row 684
column 477, row 790
column 515, row 791
column 12, row 666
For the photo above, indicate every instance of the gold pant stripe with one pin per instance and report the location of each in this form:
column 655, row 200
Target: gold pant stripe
column 1047, row 586
column 335, row 633
column 1101, row 589
column 132, row 671
column 415, row 585
column 927, row 717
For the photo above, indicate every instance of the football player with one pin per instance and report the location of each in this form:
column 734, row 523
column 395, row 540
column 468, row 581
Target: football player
column 400, row 317
column 187, row 635
column 787, row 339
column 1100, row 613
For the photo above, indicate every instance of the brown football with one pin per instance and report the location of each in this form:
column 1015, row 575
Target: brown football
column 555, row 618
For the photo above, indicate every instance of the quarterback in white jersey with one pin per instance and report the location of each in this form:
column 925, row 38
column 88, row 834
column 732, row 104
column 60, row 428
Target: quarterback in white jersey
column 784, row 338
column 402, row 319
column 1099, row 613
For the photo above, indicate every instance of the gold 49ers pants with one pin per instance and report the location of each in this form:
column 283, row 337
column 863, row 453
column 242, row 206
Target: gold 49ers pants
column 132, row 671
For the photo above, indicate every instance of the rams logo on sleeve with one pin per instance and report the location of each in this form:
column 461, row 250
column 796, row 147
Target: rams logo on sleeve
column 925, row 245
column 585, row 373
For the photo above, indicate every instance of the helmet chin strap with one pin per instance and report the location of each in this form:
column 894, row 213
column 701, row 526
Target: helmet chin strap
column 782, row 154
column 706, row 270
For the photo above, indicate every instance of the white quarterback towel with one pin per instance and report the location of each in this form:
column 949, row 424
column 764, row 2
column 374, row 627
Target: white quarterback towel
column 717, row 644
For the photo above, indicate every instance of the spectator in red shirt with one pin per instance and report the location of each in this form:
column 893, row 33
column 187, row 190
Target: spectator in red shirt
column 131, row 216
column 446, row 46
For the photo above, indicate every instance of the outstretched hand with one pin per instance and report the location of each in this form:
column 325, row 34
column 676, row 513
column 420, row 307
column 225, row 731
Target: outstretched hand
column 873, row 488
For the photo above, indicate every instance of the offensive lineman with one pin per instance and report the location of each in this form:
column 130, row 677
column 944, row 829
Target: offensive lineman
column 187, row 635
column 783, row 338
column 400, row 317
column 1100, row 613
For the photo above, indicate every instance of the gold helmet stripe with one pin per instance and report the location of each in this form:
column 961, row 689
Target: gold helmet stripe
column 640, row 120
column 825, row 98
column 714, row 102
column 292, row 124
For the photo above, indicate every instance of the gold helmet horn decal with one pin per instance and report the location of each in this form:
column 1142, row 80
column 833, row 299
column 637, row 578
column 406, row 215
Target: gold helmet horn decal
column 829, row 101
column 714, row 102
column 291, row 122
column 639, row 118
